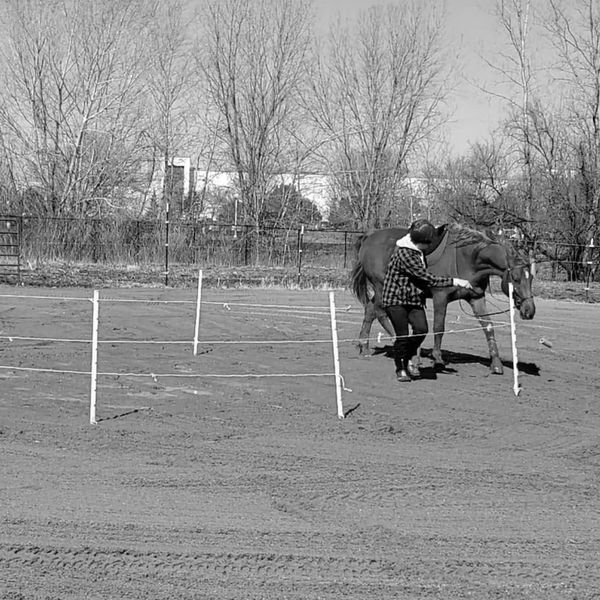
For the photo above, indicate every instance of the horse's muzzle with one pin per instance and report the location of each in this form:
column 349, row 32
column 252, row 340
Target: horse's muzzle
column 527, row 309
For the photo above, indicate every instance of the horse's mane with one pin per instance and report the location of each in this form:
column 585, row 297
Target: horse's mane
column 461, row 235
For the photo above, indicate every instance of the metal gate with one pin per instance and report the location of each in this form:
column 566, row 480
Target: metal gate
column 10, row 247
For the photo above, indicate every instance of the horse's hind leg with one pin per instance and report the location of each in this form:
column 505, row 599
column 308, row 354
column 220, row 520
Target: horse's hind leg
column 365, row 330
column 479, row 307
column 385, row 322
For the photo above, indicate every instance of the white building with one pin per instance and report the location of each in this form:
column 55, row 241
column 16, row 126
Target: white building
column 187, row 181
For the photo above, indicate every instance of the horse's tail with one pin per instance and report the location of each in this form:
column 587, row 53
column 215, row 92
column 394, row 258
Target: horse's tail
column 358, row 277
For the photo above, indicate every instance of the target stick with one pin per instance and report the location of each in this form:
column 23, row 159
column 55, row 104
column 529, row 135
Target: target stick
column 198, row 304
column 94, row 369
column 336, row 358
column 513, row 337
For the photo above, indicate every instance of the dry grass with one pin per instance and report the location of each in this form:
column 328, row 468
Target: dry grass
column 105, row 276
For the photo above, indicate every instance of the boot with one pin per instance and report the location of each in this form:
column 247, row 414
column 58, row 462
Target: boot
column 403, row 376
column 413, row 369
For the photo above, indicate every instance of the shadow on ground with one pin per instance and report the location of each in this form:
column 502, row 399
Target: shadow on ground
column 459, row 358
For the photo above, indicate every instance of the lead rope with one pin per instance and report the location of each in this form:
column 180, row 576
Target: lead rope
column 490, row 314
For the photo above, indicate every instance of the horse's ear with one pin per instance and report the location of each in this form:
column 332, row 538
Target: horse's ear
column 493, row 233
column 441, row 230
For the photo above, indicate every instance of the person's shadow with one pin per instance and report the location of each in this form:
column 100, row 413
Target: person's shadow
column 458, row 358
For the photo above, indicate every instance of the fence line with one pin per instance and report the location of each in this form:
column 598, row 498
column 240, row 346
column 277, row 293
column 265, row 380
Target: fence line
column 156, row 376
column 21, row 338
column 378, row 338
column 33, row 297
column 96, row 342
column 42, row 370
column 144, row 242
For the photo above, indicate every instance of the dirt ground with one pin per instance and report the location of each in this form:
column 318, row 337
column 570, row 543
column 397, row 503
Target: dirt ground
column 193, row 486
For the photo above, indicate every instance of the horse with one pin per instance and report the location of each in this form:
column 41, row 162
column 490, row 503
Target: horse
column 455, row 251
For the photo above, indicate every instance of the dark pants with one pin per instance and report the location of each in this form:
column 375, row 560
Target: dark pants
column 401, row 316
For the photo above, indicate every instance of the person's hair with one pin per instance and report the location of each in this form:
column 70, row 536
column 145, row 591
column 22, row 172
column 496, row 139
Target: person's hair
column 421, row 232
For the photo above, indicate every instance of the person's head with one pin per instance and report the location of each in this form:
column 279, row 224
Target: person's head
column 421, row 233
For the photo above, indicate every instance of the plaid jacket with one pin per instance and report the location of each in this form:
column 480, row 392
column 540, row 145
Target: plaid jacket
column 407, row 279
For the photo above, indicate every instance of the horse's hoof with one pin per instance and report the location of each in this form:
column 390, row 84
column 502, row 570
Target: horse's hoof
column 439, row 365
column 363, row 350
column 497, row 370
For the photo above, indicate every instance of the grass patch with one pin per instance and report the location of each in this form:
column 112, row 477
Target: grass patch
column 122, row 276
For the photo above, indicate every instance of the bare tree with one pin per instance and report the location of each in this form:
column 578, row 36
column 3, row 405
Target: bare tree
column 477, row 188
column 253, row 59
column 171, row 82
column 515, row 19
column 557, row 133
column 575, row 32
column 70, row 107
column 376, row 95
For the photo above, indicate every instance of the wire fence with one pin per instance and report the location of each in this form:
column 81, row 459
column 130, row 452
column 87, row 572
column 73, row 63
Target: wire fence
column 28, row 239
column 139, row 241
column 97, row 340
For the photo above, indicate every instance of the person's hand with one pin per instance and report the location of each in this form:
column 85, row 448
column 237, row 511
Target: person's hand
column 463, row 283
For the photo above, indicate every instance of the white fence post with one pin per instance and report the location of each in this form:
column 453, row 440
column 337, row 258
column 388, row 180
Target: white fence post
column 198, row 304
column 513, row 337
column 94, row 369
column 336, row 358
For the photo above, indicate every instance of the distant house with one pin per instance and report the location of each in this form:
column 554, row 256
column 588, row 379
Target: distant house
column 187, row 185
column 193, row 189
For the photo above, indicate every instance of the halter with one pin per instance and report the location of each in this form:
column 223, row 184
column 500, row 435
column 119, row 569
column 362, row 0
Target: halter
column 522, row 298
column 521, row 265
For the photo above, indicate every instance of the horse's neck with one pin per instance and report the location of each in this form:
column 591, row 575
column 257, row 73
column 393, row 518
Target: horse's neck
column 492, row 260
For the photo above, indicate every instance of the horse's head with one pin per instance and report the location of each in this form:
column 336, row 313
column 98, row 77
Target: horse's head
column 519, row 274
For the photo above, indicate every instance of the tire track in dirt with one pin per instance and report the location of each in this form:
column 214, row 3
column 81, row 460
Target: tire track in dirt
column 540, row 575
column 111, row 563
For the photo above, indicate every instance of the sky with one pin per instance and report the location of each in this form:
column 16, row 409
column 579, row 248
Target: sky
column 472, row 31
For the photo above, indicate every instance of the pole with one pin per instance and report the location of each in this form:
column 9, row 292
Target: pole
column 235, row 216
column 167, row 245
column 246, row 233
column 300, row 240
column 198, row 304
column 336, row 358
column 589, row 266
column 19, row 238
column 94, row 369
column 513, row 337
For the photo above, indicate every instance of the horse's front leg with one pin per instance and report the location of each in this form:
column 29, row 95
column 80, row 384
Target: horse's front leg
column 440, row 306
column 479, row 308
column 365, row 330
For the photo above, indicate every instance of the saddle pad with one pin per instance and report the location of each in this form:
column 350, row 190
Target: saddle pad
column 446, row 267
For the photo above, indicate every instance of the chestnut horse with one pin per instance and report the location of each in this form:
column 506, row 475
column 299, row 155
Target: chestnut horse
column 455, row 251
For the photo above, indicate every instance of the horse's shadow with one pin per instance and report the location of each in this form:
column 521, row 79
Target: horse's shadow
column 458, row 358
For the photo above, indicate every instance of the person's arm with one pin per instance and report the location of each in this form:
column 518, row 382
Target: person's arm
column 414, row 265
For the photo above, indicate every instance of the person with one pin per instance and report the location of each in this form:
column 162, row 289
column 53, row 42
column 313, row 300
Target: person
column 406, row 283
